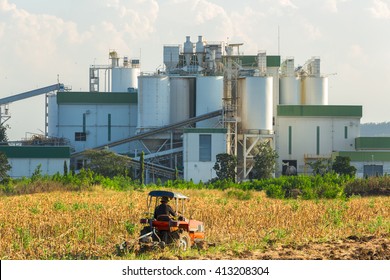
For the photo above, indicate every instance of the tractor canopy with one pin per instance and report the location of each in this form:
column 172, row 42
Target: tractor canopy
column 168, row 194
column 153, row 200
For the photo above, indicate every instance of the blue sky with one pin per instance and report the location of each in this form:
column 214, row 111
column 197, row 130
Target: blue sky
column 41, row 39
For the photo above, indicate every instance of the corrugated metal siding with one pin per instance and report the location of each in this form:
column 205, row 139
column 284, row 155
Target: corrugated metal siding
column 319, row 111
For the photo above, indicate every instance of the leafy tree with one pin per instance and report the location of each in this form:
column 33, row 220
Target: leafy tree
column 342, row 166
column 3, row 133
column 37, row 174
column 4, row 166
column 265, row 161
column 321, row 166
column 65, row 168
column 225, row 167
column 142, row 168
column 107, row 163
column 176, row 178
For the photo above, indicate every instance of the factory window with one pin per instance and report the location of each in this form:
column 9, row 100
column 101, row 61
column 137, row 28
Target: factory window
column 346, row 132
column 80, row 136
column 109, row 127
column 84, row 122
column 318, row 140
column 289, row 140
column 205, row 147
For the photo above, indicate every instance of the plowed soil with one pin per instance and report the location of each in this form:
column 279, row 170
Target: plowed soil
column 352, row 248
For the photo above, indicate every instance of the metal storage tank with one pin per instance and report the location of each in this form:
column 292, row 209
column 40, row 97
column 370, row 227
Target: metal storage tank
column 290, row 90
column 182, row 98
column 171, row 57
column 153, row 102
column 124, row 78
column 257, row 104
column 314, row 90
column 52, row 111
column 209, row 93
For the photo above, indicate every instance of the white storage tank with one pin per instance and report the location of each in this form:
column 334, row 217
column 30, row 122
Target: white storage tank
column 290, row 90
column 257, row 104
column 124, row 78
column 52, row 111
column 314, row 90
column 153, row 102
column 209, row 93
column 182, row 98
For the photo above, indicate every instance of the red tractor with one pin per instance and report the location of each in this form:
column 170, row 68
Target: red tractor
column 182, row 233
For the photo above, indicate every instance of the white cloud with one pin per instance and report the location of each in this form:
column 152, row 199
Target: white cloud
column 357, row 54
column 380, row 9
column 5, row 6
column 333, row 5
column 207, row 11
column 356, row 51
column 2, row 29
column 137, row 20
column 311, row 30
column 36, row 36
column 287, row 3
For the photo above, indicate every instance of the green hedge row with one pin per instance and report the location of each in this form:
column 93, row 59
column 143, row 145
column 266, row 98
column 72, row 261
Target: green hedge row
column 306, row 187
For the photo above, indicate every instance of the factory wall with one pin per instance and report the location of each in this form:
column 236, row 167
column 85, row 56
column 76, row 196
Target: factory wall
column 308, row 133
column 198, row 166
column 24, row 160
column 369, row 162
column 88, row 121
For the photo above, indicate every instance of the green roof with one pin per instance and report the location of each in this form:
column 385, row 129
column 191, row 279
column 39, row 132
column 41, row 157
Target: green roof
column 251, row 60
column 35, row 151
column 273, row 60
column 319, row 111
column 372, row 143
column 205, row 130
column 96, row 98
column 364, row 156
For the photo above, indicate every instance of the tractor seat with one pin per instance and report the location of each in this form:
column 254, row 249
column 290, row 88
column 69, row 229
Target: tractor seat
column 163, row 218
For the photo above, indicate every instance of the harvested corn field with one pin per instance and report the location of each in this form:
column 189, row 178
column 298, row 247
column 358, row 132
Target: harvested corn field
column 239, row 225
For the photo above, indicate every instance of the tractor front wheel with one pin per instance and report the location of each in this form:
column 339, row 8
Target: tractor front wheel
column 184, row 241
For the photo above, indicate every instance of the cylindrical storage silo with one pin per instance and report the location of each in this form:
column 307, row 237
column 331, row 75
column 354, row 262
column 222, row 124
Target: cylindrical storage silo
column 257, row 104
column 153, row 102
column 290, row 90
column 182, row 95
column 209, row 93
column 314, row 90
column 52, row 111
column 123, row 78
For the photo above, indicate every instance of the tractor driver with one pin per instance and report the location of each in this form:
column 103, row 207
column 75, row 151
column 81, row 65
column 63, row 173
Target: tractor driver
column 164, row 211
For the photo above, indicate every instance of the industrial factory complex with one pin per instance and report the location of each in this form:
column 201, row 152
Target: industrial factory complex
column 208, row 99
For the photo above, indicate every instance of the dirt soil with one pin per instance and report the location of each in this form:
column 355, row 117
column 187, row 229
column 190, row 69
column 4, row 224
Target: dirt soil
column 351, row 248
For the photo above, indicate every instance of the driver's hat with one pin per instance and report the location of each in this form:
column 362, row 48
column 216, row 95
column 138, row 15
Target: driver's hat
column 164, row 199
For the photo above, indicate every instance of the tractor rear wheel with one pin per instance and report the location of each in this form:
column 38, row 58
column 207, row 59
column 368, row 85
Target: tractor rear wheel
column 184, row 242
